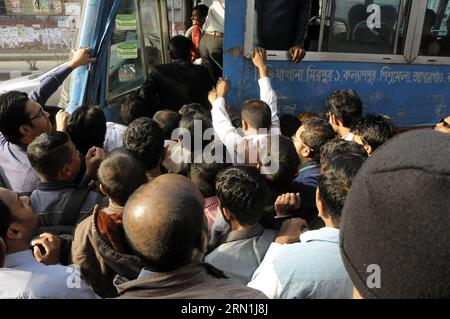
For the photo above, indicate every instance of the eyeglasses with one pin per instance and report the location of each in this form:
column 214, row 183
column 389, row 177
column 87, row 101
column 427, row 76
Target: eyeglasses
column 444, row 123
column 40, row 114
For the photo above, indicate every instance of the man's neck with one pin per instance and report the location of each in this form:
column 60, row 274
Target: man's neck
column 328, row 222
column 15, row 247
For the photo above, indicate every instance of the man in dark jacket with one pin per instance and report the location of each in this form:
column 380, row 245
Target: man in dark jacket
column 282, row 25
column 170, row 86
column 165, row 225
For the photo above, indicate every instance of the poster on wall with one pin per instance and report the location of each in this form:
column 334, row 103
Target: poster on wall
column 16, row 6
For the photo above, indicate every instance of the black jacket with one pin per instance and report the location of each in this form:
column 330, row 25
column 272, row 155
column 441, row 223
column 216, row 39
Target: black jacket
column 282, row 24
column 172, row 85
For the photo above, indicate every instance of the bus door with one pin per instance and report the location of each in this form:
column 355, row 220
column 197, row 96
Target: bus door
column 135, row 42
column 384, row 49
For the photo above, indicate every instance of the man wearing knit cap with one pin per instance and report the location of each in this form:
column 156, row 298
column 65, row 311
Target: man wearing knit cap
column 395, row 240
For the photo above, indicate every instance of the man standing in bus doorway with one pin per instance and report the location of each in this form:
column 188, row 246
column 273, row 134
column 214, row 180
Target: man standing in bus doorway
column 211, row 43
column 282, row 25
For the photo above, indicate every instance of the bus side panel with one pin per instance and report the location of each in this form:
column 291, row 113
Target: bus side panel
column 409, row 94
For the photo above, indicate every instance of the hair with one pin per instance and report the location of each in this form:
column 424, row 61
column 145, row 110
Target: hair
column 335, row 183
column 195, row 107
column 13, row 115
column 180, row 48
column 257, row 114
column 203, row 175
column 243, row 191
column 133, row 107
column 333, row 148
column 288, row 163
column 305, row 116
column 166, row 239
column 6, row 218
column 48, row 154
column 146, row 139
column 202, row 9
column 374, row 130
column 168, row 121
column 346, row 105
column 315, row 134
column 289, row 124
column 87, row 128
column 120, row 174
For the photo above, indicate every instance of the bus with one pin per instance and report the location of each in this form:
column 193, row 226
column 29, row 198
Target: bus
column 392, row 52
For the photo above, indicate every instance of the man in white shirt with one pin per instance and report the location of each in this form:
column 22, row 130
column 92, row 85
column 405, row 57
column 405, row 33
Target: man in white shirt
column 313, row 268
column 23, row 276
column 259, row 117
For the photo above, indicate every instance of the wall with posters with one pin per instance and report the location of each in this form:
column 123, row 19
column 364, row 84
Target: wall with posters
column 38, row 26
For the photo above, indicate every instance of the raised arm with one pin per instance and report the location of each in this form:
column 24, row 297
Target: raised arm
column 223, row 127
column 53, row 81
column 267, row 94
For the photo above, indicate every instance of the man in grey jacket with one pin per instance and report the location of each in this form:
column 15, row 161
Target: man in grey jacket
column 165, row 225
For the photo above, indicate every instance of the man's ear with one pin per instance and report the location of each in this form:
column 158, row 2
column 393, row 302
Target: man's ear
column 368, row 149
column 320, row 206
column 227, row 214
column 102, row 189
column 25, row 130
column 335, row 121
column 15, row 231
column 306, row 152
column 245, row 125
column 67, row 171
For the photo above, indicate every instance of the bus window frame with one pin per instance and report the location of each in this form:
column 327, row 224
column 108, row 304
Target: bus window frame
column 416, row 58
column 410, row 52
column 164, row 36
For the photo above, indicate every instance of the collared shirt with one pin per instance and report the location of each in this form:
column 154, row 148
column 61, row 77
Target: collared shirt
column 15, row 168
column 113, row 136
column 193, row 281
column 308, row 174
column 25, row 278
column 216, row 17
column 242, row 252
column 312, row 268
column 229, row 135
column 211, row 210
column 348, row 137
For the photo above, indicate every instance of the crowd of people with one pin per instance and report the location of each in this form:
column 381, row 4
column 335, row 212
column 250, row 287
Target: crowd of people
column 189, row 197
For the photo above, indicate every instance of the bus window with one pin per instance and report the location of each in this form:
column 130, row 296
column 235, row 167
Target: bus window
column 436, row 29
column 126, row 66
column 344, row 30
column 153, row 32
column 358, row 26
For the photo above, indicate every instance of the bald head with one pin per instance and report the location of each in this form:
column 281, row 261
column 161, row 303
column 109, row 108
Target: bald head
column 163, row 221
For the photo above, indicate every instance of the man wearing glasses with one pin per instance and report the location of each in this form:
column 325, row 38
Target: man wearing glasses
column 22, row 119
column 443, row 125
